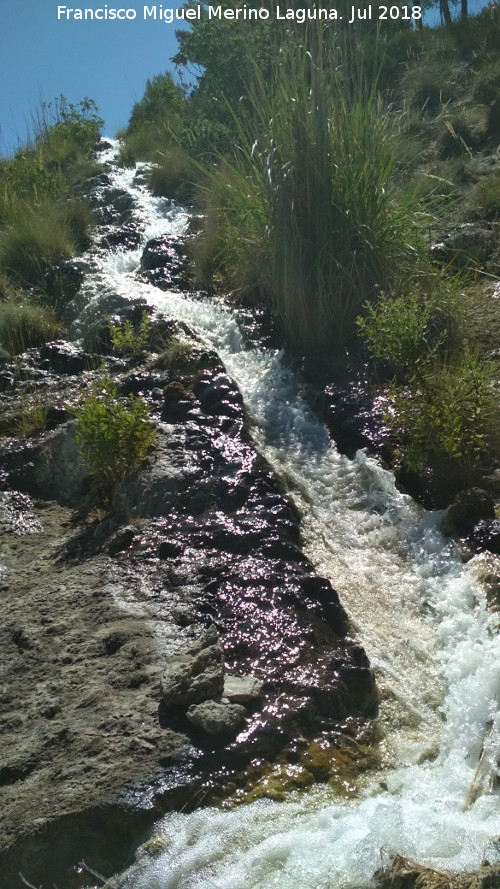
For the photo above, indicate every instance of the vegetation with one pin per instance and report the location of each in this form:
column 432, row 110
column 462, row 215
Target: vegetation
column 406, row 873
column 443, row 406
column 41, row 222
column 133, row 341
column 312, row 201
column 320, row 167
column 25, row 323
column 113, row 434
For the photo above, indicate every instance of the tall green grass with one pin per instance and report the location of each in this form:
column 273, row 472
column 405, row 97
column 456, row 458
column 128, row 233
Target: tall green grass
column 24, row 323
column 41, row 223
column 310, row 213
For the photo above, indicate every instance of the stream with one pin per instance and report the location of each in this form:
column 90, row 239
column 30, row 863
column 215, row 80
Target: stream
column 419, row 612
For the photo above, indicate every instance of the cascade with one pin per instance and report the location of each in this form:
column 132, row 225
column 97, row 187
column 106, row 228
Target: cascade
column 419, row 612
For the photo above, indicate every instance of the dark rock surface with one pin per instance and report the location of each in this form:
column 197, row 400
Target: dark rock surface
column 164, row 263
column 96, row 609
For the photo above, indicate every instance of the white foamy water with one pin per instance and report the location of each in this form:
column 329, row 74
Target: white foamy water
column 419, row 612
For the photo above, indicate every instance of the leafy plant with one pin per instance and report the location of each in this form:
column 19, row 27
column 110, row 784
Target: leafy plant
column 448, row 416
column 395, row 331
column 443, row 409
column 113, row 435
column 134, row 341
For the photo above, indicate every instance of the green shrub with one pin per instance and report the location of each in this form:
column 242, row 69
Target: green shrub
column 444, row 408
column 113, row 435
column 172, row 174
column 177, row 354
column 487, row 82
column 155, row 121
column 134, row 341
column 449, row 415
column 395, row 331
column 39, row 225
column 493, row 117
column 67, row 133
column 31, row 418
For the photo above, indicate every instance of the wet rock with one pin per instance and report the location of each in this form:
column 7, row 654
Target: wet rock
column 217, row 718
column 50, row 468
column 177, row 402
column 164, row 263
column 57, row 414
column 128, row 236
column 168, row 550
column 241, row 689
column 154, row 489
column 161, row 252
column 486, row 536
column 102, row 145
column 195, row 674
column 122, row 539
column 468, row 507
column 7, row 381
column 65, row 358
column 219, row 395
column 114, row 210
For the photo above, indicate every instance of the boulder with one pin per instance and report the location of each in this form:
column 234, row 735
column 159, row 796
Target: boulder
column 217, row 718
column 466, row 510
column 196, row 673
column 122, row 539
column 240, row 689
column 486, row 536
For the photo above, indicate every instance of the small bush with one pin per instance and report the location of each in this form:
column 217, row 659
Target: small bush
column 178, row 355
column 444, row 408
column 394, row 330
column 134, row 341
column 171, row 175
column 427, row 89
column 31, row 418
column 39, row 225
column 447, row 415
column 487, row 82
column 493, row 118
column 113, row 435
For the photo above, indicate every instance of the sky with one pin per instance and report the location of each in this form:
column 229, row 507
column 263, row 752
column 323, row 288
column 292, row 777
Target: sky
column 109, row 61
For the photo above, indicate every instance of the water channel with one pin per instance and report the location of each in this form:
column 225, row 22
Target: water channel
column 418, row 610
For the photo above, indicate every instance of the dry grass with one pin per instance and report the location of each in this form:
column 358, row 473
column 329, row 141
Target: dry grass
column 406, row 873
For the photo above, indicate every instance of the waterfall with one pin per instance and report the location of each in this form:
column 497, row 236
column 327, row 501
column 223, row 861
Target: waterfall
column 419, row 612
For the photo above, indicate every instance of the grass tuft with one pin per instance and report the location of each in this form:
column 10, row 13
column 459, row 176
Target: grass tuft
column 308, row 213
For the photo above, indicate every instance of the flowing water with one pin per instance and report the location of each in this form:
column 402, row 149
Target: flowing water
column 419, row 612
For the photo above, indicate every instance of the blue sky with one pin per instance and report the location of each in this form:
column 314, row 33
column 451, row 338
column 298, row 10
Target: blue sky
column 109, row 62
